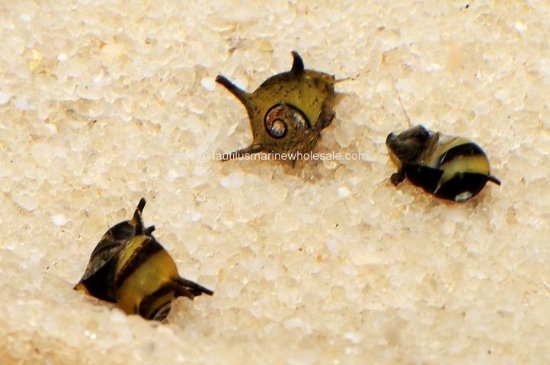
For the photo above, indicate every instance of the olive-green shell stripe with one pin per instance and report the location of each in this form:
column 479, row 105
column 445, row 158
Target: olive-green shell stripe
column 140, row 256
column 466, row 149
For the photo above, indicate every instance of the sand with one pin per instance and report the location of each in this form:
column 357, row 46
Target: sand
column 103, row 103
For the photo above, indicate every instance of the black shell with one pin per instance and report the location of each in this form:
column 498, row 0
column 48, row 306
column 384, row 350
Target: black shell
column 448, row 167
column 101, row 266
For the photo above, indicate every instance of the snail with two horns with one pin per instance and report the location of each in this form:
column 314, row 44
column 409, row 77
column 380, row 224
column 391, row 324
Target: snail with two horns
column 288, row 111
column 130, row 267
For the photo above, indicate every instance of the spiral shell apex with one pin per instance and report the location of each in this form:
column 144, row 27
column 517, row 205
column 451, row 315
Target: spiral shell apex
column 282, row 117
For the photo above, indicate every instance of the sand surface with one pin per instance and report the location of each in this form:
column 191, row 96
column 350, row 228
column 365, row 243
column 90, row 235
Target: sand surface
column 102, row 103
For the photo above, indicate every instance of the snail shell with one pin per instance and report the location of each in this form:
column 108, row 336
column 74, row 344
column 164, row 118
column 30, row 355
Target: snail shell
column 449, row 167
column 288, row 111
column 129, row 267
column 282, row 117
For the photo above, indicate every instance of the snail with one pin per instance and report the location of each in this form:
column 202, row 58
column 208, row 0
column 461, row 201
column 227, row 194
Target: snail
column 130, row 267
column 287, row 112
column 449, row 167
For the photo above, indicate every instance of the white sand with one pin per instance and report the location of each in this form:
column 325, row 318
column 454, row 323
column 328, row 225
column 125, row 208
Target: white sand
column 326, row 263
